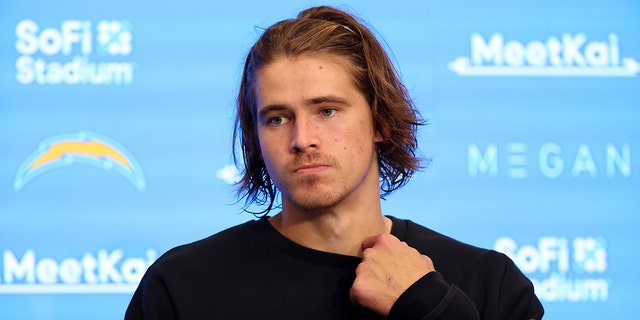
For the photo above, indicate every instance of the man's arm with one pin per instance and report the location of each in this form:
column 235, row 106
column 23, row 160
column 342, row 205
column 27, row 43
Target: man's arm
column 432, row 298
column 398, row 282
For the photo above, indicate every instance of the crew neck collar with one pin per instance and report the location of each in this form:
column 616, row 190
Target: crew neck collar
column 300, row 252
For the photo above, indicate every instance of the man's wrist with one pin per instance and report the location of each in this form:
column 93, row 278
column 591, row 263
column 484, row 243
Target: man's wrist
column 420, row 298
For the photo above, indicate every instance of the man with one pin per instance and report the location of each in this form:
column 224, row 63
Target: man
column 324, row 121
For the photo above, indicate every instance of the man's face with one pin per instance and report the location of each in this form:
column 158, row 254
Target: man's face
column 316, row 132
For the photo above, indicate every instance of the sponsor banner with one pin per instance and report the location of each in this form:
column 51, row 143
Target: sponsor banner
column 563, row 269
column 116, row 121
column 568, row 55
column 99, row 272
column 518, row 160
column 84, row 147
column 74, row 52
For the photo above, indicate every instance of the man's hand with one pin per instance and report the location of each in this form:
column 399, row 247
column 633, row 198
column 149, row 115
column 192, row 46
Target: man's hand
column 388, row 268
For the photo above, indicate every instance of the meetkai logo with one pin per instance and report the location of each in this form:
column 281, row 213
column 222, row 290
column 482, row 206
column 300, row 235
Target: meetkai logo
column 570, row 55
column 105, row 271
column 74, row 52
column 562, row 269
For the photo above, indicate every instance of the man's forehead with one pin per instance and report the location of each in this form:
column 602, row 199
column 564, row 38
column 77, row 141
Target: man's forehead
column 344, row 62
column 312, row 81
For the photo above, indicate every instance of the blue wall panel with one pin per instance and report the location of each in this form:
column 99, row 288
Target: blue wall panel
column 115, row 131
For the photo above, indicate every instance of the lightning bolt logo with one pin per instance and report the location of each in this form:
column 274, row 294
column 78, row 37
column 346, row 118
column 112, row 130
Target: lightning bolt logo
column 84, row 147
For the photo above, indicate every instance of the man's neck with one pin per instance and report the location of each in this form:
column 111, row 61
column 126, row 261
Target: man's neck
column 336, row 231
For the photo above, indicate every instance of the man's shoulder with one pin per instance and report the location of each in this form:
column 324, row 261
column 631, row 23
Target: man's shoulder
column 445, row 248
column 216, row 246
column 460, row 263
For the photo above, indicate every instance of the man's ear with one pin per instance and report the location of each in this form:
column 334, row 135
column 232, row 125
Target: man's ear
column 377, row 138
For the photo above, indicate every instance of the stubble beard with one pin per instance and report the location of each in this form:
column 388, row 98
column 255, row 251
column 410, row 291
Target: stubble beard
column 314, row 193
column 310, row 196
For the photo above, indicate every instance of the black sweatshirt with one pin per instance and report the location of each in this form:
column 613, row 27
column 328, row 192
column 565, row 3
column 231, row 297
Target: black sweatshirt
column 251, row 271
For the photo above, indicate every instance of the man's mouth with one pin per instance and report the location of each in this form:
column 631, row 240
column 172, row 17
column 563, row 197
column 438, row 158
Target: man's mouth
column 310, row 168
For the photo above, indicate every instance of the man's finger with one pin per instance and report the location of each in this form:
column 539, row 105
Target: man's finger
column 369, row 242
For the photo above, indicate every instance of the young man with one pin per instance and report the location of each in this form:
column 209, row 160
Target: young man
column 324, row 121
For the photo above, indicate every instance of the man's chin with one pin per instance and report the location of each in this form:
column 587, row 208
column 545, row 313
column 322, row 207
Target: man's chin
column 315, row 201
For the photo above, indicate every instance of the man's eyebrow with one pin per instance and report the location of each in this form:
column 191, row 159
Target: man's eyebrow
column 326, row 99
column 274, row 107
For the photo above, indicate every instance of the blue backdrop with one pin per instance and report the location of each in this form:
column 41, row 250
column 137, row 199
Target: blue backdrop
column 116, row 120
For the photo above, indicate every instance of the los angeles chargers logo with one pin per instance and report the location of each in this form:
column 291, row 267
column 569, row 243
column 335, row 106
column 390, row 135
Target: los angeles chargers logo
column 84, row 147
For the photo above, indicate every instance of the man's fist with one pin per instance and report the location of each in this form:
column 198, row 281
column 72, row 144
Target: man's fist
column 388, row 268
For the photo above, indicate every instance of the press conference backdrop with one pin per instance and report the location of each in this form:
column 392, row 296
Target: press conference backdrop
column 116, row 120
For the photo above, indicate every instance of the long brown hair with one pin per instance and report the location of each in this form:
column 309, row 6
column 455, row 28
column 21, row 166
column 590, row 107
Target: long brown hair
column 327, row 30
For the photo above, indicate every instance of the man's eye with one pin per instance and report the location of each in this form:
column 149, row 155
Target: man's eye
column 328, row 112
column 278, row 121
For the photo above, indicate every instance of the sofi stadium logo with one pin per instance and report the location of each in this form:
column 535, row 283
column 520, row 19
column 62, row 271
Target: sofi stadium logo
column 569, row 55
column 519, row 160
column 84, row 147
column 562, row 269
column 74, row 52
column 104, row 271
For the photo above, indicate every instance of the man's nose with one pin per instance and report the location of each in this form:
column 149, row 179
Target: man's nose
column 305, row 135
